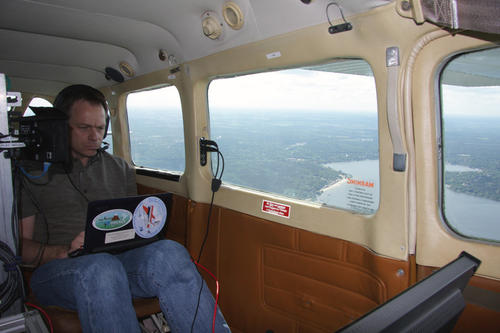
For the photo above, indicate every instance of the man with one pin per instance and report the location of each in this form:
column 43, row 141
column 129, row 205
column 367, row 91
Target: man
column 101, row 286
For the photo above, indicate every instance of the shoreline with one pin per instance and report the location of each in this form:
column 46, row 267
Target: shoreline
column 334, row 184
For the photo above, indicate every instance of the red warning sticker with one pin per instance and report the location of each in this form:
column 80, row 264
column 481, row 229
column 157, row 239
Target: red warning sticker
column 275, row 208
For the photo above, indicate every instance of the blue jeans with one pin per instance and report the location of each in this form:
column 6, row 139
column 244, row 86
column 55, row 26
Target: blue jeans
column 101, row 287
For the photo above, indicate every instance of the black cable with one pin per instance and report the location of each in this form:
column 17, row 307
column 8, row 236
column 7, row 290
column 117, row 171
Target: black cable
column 11, row 288
column 35, row 202
column 208, row 226
column 16, row 191
column 217, row 180
column 223, row 164
column 16, row 236
column 340, row 10
column 75, row 187
column 346, row 26
column 199, row 256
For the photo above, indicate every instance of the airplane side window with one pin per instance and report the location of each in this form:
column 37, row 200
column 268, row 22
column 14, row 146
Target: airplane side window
column 470, row 131
column 309, row 133
column 156, row 129
column 37, row 101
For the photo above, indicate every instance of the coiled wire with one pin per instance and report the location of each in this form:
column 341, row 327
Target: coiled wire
column 12, row 287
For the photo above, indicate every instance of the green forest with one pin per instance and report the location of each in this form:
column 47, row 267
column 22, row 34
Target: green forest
column 286, row 153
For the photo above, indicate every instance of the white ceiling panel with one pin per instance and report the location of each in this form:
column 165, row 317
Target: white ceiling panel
column 74, row 41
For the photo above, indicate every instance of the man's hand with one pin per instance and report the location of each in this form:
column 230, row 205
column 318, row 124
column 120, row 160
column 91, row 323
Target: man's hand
column 77, row 243
column 35, row 254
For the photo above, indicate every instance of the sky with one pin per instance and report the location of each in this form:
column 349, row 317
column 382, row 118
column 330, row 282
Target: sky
column 481, row 101
column 288, row 90
column 320, row 91
column 298, row 90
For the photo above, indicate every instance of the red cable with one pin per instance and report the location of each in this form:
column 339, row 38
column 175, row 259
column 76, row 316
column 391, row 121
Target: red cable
column 216, row 291
column 44, row 313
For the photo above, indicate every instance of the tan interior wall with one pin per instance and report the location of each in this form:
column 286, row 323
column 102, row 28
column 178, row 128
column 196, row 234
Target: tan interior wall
column 436, row 244
column 385, row 232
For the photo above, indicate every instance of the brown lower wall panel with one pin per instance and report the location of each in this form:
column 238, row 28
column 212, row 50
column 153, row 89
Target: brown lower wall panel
column 279, row 278
column 305, row 308
column 352, row 287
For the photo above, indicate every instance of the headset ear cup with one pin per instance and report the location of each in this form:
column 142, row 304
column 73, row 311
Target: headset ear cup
column 107, row 124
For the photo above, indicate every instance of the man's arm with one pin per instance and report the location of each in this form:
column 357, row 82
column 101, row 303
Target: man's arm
column 35, row 253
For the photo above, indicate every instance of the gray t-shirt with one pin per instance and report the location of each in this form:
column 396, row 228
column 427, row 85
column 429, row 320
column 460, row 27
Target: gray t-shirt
column 60, row 205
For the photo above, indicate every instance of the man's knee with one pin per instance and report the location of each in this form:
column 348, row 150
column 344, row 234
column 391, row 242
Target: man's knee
column 167, row 256
column 168, row 250
column 102, row 271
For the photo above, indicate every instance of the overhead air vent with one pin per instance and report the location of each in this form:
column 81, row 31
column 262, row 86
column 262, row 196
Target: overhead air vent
column 211, row 25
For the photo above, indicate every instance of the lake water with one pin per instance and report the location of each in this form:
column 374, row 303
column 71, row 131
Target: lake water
column 471, row 216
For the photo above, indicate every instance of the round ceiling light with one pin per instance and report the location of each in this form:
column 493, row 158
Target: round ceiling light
column 211, row 25
column 233, row 15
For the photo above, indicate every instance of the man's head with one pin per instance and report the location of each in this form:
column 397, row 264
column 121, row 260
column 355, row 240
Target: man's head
column 86, row 108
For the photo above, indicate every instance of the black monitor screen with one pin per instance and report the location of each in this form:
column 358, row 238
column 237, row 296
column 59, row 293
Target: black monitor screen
column 432, row 305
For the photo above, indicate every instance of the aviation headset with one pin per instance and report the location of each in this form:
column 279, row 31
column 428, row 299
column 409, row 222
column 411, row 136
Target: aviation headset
column 69, row 95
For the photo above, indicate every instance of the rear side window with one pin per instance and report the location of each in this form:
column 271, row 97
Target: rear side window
column 309, row 133
column 156, row 129
column 37, row 101
column 470, row 132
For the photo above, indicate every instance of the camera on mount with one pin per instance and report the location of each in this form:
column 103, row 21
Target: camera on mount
column 39, row 138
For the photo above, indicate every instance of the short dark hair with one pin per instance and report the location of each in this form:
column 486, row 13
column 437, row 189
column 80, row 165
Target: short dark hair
column 69, row 95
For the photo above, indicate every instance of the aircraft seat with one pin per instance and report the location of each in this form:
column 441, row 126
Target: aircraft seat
column 65, row 320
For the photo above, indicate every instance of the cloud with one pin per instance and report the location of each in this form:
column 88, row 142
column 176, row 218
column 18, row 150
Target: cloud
column 166, row 97
column 308, row 90
column 471, row 101
column 296, row 89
